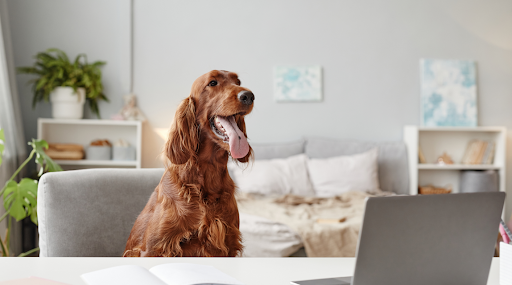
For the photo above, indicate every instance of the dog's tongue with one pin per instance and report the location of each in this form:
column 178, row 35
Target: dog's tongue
column 238, row 145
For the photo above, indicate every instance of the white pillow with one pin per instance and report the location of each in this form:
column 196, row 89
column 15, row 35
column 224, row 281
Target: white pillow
column 335, row 175
column 274, row 176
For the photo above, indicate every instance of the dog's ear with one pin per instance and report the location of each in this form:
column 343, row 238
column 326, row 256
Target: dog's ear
column 241, row 125
column 183, row 141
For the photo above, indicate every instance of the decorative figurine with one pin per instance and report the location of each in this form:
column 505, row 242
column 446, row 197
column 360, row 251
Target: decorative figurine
column 444, row 159
column 130, row 111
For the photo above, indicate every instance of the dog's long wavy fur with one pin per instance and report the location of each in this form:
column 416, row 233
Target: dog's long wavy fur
column 193, row 211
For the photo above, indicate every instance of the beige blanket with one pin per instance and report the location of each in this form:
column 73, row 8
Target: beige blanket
column 301, row 215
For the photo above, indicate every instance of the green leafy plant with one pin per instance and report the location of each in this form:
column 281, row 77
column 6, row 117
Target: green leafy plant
column 54, row 69
column 20, row 199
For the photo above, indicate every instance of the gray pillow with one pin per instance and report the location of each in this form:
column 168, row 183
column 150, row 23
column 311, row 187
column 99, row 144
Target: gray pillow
column 278, row 150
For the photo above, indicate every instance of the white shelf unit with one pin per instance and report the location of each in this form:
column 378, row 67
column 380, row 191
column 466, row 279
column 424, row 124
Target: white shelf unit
column 84, row 131
column 452, row 140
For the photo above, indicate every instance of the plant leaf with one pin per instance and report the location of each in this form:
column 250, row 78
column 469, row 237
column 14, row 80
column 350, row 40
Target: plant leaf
column 29, row 252
column 20, row 200
column 99, row 63
column 33, row 215
column 2, row 144
column 94, row 108
column 44, row 161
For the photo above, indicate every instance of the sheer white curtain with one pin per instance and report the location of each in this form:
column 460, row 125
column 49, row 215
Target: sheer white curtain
column 10, row 115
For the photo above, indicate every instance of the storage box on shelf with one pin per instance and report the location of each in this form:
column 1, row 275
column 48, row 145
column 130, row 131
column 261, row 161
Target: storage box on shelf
column 84, row 131
column 454, row 141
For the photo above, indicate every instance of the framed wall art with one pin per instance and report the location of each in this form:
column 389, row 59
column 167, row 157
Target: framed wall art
column 448, row 93
column 298, row 83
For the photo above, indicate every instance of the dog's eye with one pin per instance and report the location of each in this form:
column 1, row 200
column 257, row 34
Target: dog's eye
column 212, row 83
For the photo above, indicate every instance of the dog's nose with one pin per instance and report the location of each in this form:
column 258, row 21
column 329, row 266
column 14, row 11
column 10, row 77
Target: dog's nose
column 246, row 97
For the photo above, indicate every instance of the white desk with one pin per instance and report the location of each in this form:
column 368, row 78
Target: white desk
column 251, row 271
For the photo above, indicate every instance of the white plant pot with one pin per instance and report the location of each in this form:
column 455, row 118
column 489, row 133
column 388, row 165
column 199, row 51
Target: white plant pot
column 66, row 104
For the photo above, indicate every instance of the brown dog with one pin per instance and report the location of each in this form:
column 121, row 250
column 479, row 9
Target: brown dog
column 193, row 211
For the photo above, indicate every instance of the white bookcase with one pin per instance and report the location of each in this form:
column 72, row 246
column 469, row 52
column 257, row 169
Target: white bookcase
column 452, row 140
column 84, row 131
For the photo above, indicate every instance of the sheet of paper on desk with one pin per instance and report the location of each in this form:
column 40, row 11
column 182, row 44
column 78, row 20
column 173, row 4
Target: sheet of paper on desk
column 505, row 263
column 164, row 274
column 189, row 274
column 124, row 274
column 31, row 281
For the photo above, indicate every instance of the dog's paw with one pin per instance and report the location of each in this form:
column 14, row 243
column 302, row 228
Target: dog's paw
column 132, row 253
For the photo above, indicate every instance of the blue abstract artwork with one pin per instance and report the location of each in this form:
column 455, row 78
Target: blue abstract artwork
column 297, row 84
column 448, row 93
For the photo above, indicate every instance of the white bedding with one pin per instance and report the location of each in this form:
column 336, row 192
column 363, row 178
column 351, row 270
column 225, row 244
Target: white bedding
column 265, row 238
column 298, row 215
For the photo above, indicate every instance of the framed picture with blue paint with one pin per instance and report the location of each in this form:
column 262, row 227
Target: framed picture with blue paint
column 298, row 83
column 448, row 93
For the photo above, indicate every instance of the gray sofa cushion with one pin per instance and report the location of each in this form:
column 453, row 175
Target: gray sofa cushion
column 278, row 150
column 91, row 212
column 392, row 159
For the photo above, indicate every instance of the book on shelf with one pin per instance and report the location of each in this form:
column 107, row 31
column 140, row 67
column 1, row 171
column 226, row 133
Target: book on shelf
column 482, row 145
column 479, row 152
column 465, row 157
column 163, row 274
column 421, row 156
column 489, row 156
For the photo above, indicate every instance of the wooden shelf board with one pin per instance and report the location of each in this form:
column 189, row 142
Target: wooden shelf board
column 89, row 122
column 458, row 167
column 97, row 162
column 460, row 129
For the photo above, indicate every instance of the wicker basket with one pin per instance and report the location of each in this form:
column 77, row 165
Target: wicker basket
column 429, row 190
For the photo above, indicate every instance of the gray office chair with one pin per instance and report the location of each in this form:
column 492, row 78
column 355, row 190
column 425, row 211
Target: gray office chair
column 91, row 212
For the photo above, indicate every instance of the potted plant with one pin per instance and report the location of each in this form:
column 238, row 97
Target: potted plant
column 67, row 84
column 20, row 199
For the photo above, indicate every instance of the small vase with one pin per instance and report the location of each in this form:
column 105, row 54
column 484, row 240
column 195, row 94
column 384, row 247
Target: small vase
column 66, row 104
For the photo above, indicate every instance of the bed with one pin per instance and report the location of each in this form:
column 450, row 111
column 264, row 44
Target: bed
column 280, row 217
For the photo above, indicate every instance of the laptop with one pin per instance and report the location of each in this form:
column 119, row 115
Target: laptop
column 425, row 240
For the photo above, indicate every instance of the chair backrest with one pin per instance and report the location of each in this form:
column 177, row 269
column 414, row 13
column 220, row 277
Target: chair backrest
column 91, row 212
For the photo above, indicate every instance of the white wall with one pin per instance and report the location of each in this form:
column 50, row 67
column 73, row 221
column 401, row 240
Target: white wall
column 98, row 28
column 369, row 51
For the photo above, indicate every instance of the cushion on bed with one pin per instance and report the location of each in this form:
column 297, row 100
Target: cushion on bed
column 274, row 176
column 335, row 175
column 392, row 159
column 278, row 150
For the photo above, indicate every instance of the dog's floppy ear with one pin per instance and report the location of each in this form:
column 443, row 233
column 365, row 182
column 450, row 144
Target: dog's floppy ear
column 183, row 141
column 241, row 125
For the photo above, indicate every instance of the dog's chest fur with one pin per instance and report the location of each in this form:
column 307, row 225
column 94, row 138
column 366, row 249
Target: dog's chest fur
column 207, row 222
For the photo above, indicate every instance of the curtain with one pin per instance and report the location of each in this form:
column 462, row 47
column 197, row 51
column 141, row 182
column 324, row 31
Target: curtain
column 10, row 119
